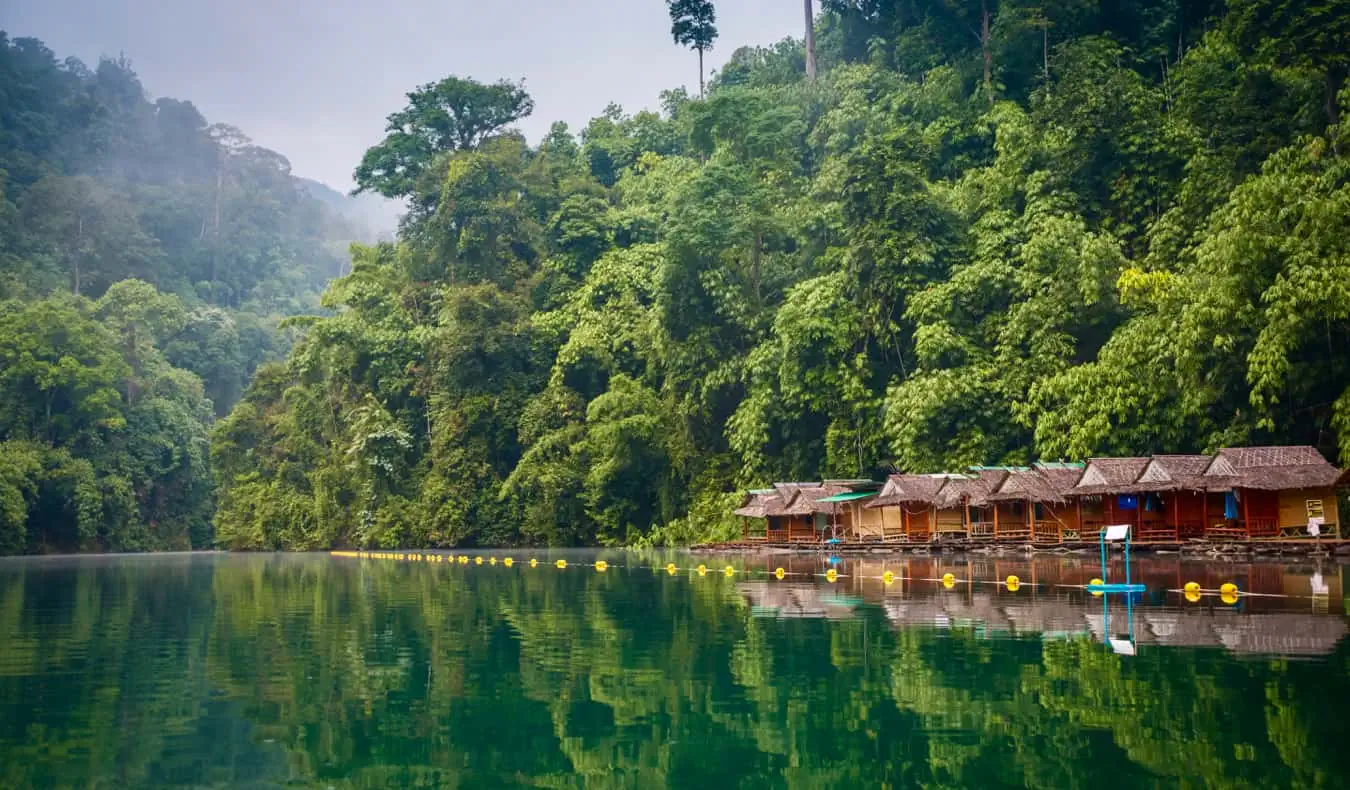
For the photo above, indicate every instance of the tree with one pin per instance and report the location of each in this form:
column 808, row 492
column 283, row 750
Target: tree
column 692, row 24
column 810, row 41
column 453, row 114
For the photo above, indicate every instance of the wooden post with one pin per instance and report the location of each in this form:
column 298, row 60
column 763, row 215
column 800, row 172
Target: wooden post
column 995, row 520
column 1204, row 513
column 1246, row 520
column 1031, row 518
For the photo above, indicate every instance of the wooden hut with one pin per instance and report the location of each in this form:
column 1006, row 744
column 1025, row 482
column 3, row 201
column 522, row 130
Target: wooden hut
column 967, row 496
column 1105, row 493
column 755, row 505
column 1276, row 491
column 1059, row 516
column 1028, row 505
column 907, row 506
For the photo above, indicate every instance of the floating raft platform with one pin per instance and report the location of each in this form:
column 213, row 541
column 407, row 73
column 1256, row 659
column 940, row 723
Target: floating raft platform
column 1201, row 548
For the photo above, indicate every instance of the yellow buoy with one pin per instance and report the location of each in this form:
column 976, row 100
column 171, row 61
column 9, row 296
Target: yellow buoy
column 1192, row 595
column 779, row 572
column 601, row 566
column 1229, row 598
column 948, row 580
column 1192, row 587
column 508, row 562
column 703, row 570
column 477, row 560
column 463, row 560
column 561, row 563
column 1014, row 583
column 831, row 576
column 1228, row 588
column 670, row 568
column 730, row 571
column 888, row 577
column 492, row 561
column 534, row 563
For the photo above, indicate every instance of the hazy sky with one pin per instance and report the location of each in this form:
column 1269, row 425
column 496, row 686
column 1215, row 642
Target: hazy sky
column 314, row 79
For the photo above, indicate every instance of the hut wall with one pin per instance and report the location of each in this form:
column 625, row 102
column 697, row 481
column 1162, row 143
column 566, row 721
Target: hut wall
column 869, row 523
column 951, row 520
column 1215, row 508
column 892, row 520
column 1293, row 506
column 1092, row 512
column 1259, row 504
column 1186, row 511
column 1013, row 518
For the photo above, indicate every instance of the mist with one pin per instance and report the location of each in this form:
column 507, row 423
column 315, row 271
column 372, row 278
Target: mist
column 314, row 80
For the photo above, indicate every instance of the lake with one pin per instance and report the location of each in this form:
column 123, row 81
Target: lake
column 262, row 671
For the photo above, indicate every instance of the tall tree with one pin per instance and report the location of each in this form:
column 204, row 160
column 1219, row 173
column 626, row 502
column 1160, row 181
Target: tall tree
column 810, row 41
column 451, row 115
column 693, row 24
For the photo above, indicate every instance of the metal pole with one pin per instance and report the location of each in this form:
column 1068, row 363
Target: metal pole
column 1101, row 539
column 1127, row 558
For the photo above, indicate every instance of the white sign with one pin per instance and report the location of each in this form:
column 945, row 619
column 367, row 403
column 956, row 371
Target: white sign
column 1315, row 525
column 1117, row 532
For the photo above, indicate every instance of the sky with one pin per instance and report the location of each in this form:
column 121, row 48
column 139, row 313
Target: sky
column 314, row 79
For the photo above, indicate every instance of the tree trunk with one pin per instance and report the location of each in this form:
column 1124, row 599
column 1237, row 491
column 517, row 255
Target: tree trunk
column 215, row 251
column 700, row 73
column 1045, row 54
column 810, row 42
column 988, row 54
column 79, row 242
column 754, row 264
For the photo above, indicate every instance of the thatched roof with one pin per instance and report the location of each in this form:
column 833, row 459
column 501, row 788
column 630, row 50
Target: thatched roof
column 917, row 489
column 1109, row 476
column 1062, row 476
column 1273, row 468
column 972, row 489
column 804, row 499
column 760, row 504
column 1178, row 473
column 1029, row 485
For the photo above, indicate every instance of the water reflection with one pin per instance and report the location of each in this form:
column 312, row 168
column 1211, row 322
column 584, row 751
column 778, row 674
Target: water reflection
column 1281, row 610
column 311, row 671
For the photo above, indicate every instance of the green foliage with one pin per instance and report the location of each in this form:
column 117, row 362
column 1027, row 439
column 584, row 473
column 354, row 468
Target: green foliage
column 105, row 442
column 986, row 232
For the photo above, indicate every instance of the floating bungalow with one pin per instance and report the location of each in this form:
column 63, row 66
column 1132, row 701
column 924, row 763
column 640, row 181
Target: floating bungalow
column 1247, row 493
column 1275, row 492
column 907, row 507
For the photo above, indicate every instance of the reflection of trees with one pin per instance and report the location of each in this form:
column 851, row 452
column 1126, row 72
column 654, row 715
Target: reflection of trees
column 365, row 674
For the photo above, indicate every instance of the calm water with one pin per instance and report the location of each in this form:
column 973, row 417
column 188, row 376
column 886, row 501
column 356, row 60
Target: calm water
column 317, row 671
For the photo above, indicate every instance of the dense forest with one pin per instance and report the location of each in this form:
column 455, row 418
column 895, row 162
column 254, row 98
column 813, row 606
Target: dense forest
column 943, row 233
column 148, row 261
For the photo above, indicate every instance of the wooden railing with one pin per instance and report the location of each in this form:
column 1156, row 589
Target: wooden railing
column 1046, row 532
column 1263, row 528
column 981, row 530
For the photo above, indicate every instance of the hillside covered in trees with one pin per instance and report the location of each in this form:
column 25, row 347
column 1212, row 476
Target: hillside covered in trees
column 977, row 231
column 147, row 262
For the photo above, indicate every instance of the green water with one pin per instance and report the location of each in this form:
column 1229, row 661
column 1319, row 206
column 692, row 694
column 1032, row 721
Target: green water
column 317, row 671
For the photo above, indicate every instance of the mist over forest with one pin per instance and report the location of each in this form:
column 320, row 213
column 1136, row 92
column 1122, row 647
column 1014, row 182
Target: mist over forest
column 924, row 236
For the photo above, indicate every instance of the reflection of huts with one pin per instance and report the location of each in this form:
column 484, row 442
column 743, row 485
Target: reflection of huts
column 1280, row 634
column 787, row 600
column 907, row 506
column 1275, row 490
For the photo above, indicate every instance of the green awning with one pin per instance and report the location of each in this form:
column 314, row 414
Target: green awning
column 848, row 496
